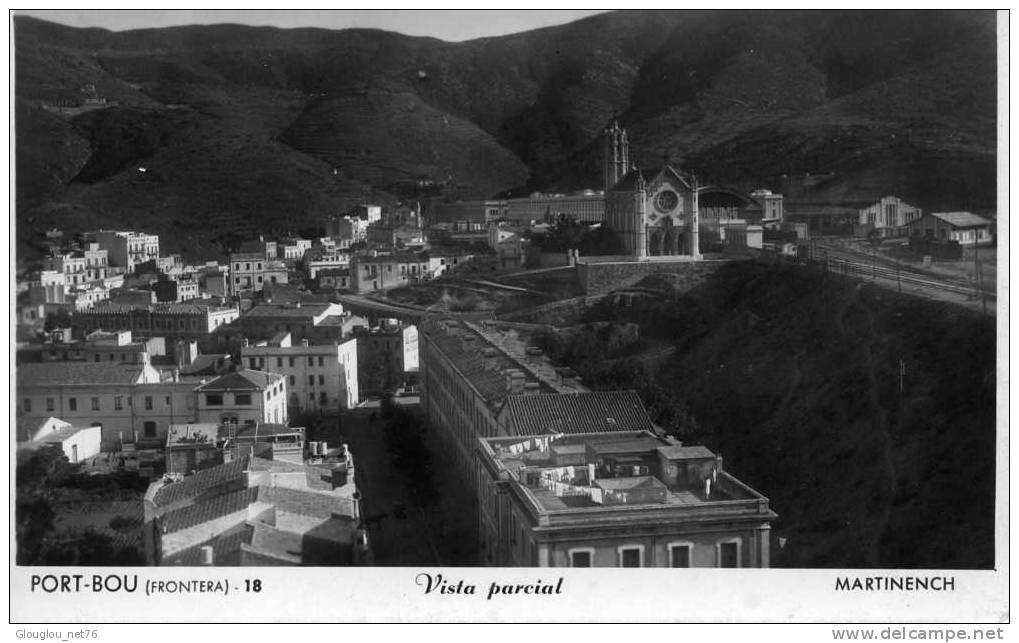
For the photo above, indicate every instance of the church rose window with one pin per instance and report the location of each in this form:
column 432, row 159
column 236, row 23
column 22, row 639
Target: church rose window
column 666, row 201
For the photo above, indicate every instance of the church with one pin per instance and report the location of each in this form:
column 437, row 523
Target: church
column 654, row 211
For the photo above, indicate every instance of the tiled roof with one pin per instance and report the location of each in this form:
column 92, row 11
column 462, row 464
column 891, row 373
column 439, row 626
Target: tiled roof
column 203, row 363
column 211, row 508
column 320, row 478
column 576, row 413
column 243, row 380
column 629, row 181
column 306, row 503
column 62, row 434
column 226, row 549
column 222, row 477
column 490, row 382
column 174, row 308
column 962, row 219
column 303, row 311
column 58, row 373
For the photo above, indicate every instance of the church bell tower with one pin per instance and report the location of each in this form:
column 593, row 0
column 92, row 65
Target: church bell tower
column 616, row 158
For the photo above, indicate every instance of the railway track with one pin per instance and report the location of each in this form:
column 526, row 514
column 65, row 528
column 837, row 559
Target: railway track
column 843, row 263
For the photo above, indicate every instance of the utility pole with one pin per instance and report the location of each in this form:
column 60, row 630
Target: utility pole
column 978, row 277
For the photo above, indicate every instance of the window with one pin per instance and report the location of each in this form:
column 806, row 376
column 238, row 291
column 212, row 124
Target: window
column 118, row 403
column 311, row 380
column 27, row 405
column 214, row 399
column 72, row 403
column 279, row 362
column 149, row 429
column 49, row 405
column 252, row 362
column 95, row 403
column 168, row 400
column 680, row 554
column 148, row 402
column 97, row 358
column 292, row 380
column 247, row 266
column 581, row 557
column 322, row 399
column 259, row 266
column 311, row 397
column 311, row 360
column 631, row 556
column 242, row 399
column 321, row 361
column 291, row 362
column 728, row 553
column 321, row 380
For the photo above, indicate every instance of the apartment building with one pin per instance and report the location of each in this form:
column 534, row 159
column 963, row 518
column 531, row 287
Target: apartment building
column 386, row 354
column 187, row 320
column 615, row 499
column 250, row 271
column 132, row 402
column 486, row 380
column 126, row 249
column 243, row 397
column 320, row 377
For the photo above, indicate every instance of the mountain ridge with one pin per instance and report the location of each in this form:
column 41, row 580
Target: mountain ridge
column 292, row 124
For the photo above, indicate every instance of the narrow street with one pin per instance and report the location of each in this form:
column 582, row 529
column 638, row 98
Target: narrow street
column 397, row 530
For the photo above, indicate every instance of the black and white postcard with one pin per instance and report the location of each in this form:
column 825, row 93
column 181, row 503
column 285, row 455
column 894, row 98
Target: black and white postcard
column 329, row 316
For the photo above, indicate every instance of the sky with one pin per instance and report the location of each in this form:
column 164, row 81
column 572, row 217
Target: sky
column 447, row 24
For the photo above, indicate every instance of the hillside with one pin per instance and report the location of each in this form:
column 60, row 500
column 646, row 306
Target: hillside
column 267, row 129
column 794, row 377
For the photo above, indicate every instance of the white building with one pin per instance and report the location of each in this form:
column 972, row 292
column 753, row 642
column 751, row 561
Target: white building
column 889, row 215
column 251, row 271
column 244, row 397
column 78, row 443
column 131, row 402
column 126, row 249
column 965, row 228
column 330, row 261
column 320, row 377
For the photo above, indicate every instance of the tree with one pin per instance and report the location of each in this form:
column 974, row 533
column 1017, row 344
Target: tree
column 59, row 318
column 37, row 475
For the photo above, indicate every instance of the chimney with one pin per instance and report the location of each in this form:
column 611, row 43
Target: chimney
column 207, row 556
column 514, row 382
column 468, row 343
column 532, row 388
column 489, row 358
column 304, row 342
column 176, row 375
column 590, row 474
column 707, row 488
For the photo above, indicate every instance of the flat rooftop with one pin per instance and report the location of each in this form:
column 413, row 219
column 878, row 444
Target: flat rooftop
column 627, row 468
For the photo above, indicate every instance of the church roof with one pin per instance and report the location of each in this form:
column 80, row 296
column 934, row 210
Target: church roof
column 629, row 182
